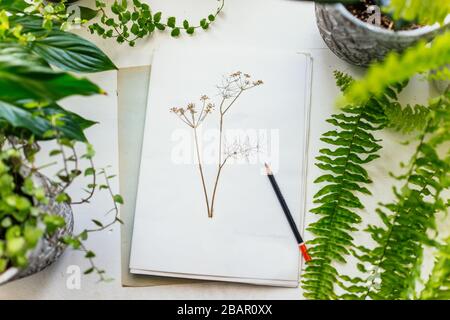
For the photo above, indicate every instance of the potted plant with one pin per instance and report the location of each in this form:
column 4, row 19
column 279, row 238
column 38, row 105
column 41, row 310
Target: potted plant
column 364, row 31
column 36, row 220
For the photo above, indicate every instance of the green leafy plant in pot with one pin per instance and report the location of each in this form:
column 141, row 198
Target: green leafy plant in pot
column 364, row 31
column 36, row 220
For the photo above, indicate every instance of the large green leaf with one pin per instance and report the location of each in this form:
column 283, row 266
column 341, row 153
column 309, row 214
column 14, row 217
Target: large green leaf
column 24, row 76
column 70, row 52
column 13, row 52
column 36, row 121
column 73, row 124
column 13, row 5
column 18, row 117
column 65, row 50
column 68, row 117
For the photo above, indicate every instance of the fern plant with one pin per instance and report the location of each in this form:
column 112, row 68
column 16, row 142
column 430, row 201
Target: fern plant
column 438, row 285
column 400, row 67
column 391, row 268
column 426, row 12
column 406, row 119
column 352, row 145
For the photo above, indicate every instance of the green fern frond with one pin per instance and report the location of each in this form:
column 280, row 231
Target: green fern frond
column 440, row 74
column 395, row 262
column 397, row 68
column 406, row 119
column 352, row 145
column 425, row 12
column 343, row 80
column 438, row 284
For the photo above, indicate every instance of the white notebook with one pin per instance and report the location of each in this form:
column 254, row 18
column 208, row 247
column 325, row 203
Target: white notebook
column 245, row 237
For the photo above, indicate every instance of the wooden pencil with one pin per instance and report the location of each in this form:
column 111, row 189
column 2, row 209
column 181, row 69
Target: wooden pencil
column 287, row 212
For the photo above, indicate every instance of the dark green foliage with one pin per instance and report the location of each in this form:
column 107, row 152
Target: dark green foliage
column 25, row 76
column 393, row 267
column 64, row 50
column 130, row 23
column 352, row 145
column 438, row 285
column 406, row 119
column 23, row 122
column 343, row 80
column 30, row 89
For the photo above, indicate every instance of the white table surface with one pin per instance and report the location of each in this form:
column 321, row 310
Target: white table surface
column 282, row 24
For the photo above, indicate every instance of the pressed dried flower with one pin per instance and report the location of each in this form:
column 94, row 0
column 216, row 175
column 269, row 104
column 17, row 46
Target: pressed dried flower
column 232, row 87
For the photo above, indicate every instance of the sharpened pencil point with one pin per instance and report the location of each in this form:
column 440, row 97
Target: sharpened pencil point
column 268, row 170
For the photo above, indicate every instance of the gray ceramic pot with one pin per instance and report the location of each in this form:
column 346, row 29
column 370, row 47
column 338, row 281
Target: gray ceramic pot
column 442, row 85
column 360, row 43
column 48, row 249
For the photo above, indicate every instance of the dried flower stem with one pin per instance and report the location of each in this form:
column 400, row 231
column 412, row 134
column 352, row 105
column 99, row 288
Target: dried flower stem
column 221, row 164
column 200, row 168
column 232, row 89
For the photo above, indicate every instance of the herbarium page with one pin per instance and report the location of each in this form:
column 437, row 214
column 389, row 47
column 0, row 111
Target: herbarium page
column 205, row 208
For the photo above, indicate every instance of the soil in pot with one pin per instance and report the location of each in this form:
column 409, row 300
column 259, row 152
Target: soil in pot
column 362, row 12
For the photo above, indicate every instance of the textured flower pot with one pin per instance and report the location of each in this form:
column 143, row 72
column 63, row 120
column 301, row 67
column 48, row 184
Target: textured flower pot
column 442, row 85
column 48, row 249
column 360, row 43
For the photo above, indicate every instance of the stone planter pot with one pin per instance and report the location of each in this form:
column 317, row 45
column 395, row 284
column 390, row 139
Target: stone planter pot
column 48, row 249
column 442, row 85
column 360, row 43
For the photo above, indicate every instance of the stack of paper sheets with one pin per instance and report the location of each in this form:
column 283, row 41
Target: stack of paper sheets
column 248, row 239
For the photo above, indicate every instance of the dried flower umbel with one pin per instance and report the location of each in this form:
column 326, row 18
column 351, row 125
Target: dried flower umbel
column 192, row 115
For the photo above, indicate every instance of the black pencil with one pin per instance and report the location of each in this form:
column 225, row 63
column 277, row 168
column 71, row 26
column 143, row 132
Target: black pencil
column 287, row 212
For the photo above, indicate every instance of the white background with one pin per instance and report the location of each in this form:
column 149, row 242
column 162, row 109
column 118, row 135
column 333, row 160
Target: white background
column 280, row 24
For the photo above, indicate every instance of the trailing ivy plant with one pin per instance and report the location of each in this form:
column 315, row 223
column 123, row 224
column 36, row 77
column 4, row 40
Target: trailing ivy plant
column 30, row 113
column 128, row 23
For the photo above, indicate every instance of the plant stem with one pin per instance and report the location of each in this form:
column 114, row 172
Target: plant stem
column 232, row 102
column 92, row 189
column 391, row 229
column 200, row 168
column 216, row 183
column 221, row 163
